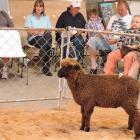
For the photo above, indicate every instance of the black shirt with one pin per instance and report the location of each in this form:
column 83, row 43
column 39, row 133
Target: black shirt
column 67, row 19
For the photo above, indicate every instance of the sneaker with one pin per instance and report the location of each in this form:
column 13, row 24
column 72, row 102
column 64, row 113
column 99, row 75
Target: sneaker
column 93, row 71
column 46, row 72
column 5, row 72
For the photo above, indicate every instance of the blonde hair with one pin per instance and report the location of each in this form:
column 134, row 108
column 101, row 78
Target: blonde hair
column 138, row 16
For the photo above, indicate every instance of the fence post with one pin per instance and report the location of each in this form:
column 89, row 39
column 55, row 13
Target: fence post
column 60, row 85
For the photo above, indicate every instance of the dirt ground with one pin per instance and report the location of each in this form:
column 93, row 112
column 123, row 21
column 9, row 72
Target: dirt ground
column 42, row 120
column 63, row 124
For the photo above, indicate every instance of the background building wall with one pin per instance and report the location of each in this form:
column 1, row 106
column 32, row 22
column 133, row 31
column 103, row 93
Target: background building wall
column 53, row 8
column 92, row 3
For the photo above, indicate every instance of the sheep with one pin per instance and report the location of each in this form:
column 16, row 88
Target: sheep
column 103, row 91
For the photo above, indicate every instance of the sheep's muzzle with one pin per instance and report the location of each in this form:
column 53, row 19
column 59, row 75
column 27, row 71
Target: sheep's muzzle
column 62, row 73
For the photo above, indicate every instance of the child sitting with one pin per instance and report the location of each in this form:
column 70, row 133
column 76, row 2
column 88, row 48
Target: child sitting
column 94, row 22
column 129, row 48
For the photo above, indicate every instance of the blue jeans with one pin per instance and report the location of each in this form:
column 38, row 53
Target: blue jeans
column 44, row 43
column 78, row 44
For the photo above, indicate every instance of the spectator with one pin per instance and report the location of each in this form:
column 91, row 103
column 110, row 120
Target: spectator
column 118, row 22
column 95, row 23
column 5, row 21
column 72, row 17
column 40, row 39
column 129, row 50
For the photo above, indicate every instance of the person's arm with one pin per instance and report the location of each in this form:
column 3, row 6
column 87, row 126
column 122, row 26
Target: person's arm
column 109, row 25
column 133, row 46
column 49, row 25
column 87, row 26
column 111, row 40
column 60, row 22
column 83, row 22
column 9, row 20
column 101, row 28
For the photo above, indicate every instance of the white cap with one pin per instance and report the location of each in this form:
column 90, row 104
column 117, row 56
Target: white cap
column 75, row 3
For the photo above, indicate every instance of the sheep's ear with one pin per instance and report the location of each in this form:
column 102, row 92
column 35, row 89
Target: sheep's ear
column 77, row 67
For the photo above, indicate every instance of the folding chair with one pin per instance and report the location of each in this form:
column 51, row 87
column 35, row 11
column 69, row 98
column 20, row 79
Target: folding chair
column 33, row 55
column 31, row 51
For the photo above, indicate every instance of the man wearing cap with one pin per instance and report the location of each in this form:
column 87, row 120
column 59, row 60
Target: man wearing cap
column 117, row 23
column 72, row 17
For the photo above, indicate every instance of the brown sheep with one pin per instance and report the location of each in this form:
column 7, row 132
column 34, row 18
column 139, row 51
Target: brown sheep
column 102, row 91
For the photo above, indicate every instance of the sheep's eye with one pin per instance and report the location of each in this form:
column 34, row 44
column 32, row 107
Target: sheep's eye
column 76, row 67
column 69, row 67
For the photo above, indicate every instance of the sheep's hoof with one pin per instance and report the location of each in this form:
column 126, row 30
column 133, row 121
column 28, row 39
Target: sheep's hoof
column 87, row 129
column 82, row 127
column 130, row 127
column 137, row 137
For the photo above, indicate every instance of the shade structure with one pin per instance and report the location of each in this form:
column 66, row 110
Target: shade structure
column 10, row 44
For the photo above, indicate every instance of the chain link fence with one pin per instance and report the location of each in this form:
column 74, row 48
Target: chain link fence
column 28, row 66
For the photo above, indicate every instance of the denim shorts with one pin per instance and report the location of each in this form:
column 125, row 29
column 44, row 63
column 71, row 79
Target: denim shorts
column 100, row 44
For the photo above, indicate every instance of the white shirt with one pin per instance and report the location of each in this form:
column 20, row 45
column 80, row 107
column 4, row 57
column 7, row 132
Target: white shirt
column 118, row 23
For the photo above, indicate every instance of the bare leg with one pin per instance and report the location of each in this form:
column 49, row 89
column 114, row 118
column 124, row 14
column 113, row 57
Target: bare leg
column 92, row 53
column 111, row 63
column 134, row 70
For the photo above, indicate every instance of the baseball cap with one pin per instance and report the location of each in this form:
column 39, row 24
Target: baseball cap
column 75, row 3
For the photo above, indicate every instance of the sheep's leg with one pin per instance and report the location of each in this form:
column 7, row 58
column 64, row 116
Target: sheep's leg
column 130, row 122
column 133, row 112
column 87, row 116
column 137, row 125
column 83, row 119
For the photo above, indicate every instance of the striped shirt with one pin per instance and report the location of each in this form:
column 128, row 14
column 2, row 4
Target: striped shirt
column 125, row 41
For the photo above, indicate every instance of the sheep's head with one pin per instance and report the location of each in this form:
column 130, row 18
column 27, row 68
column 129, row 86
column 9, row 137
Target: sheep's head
column 70, row 68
